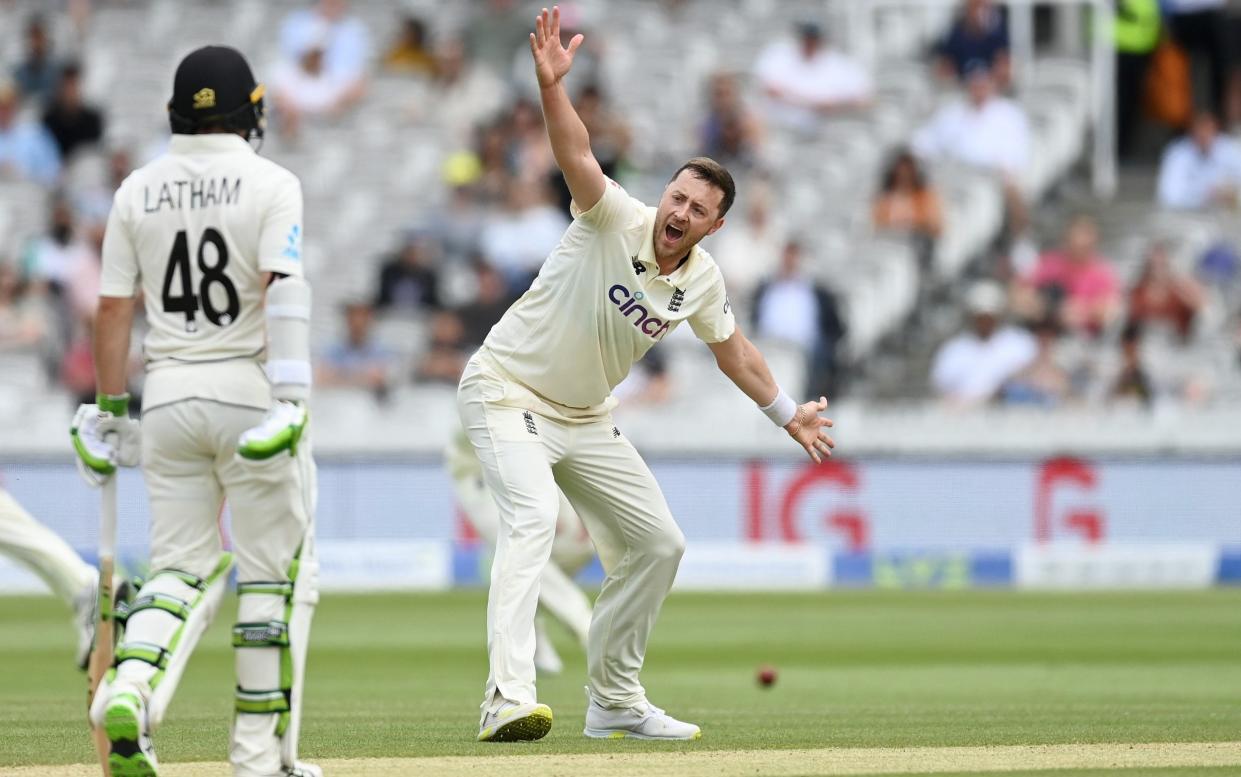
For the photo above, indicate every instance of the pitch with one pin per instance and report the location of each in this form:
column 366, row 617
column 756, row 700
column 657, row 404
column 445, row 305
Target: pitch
column 996, row 675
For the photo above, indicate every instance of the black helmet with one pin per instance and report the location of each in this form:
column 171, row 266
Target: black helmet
column 214, row 86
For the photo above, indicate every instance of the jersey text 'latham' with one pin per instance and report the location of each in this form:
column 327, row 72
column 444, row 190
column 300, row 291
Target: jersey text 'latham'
column 175, row 195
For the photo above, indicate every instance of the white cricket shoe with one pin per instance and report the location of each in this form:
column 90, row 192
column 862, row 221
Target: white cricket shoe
column 515, row 722
column 302, row 770
column 644, row 721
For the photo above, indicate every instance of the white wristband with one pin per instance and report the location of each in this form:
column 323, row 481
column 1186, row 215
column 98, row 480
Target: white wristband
column 782, row 409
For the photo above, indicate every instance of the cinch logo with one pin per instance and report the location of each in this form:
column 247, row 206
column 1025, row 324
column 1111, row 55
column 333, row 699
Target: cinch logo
column 628, row 303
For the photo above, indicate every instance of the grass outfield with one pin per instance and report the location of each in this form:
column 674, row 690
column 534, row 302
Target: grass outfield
column 401, row 676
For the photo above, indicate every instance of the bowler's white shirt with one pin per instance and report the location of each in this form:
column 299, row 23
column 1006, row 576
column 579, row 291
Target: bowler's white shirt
column 995, row 136
column 597, row 306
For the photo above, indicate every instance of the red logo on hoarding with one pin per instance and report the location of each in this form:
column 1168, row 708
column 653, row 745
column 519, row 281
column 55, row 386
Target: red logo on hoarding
column 1056, row 474
column 848, row 522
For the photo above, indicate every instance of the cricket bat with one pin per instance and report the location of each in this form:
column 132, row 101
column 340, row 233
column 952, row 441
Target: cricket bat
column 101, row 652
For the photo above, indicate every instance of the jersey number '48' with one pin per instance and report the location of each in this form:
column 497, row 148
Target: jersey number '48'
column 187, row 301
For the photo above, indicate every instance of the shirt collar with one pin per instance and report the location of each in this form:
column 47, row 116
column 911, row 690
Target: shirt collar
column 646, row 255
column 207, row 144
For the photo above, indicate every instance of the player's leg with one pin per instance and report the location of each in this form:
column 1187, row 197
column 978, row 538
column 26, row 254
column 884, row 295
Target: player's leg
column 272, row 502
column 571, row 550
column 640, row 546
column 43, row 552
column 179, row 600
column 516, row 449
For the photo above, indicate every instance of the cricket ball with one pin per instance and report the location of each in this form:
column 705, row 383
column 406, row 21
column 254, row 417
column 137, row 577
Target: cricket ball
column 766, row 676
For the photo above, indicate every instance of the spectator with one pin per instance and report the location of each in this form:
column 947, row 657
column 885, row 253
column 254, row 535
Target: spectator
column 305, row 87
column 458, row 222
column 462, row 95
column 971, row 367
column 806, row 79
column 1075, row 285
column 1164, row 297
column 1201, row 28
column 343, row 39
column 25, row 321
column 411, row 53
column 749, row 252
column 37, row 72
column 357, row 361
column 444, row 359
column 731, row 134
column 27, row 150
column 1136, row 32
column 410, row 280
column 979, row 34
column 1133, row 383
column 68, row 118
column 491, row 300
column 55, row 259
column 907, row 204
column 530, row 155
column 517, row 240
column 1201, row 170
column 1044, row 382
column 983, row 130
column 794, row 308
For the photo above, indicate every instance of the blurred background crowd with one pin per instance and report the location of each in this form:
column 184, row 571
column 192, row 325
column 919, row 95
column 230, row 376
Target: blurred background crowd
column 916, row 221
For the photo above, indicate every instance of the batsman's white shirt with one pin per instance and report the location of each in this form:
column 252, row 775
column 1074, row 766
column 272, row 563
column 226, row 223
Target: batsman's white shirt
column 195, row 230
column 597, row 306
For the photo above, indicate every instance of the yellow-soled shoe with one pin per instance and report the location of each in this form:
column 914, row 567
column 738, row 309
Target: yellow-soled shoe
column 516, row 723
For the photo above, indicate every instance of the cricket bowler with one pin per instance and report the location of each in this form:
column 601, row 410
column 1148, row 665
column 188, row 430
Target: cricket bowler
column 210, row 233
column 535, row 402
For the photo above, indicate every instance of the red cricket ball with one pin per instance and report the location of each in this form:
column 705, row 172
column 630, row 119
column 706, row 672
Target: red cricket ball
column 766, row 676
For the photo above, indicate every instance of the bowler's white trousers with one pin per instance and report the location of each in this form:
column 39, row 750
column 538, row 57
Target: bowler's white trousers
column 42, row 551
column 525, row 456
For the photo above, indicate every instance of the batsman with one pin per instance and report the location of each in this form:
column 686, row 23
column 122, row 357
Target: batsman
column 210, row 233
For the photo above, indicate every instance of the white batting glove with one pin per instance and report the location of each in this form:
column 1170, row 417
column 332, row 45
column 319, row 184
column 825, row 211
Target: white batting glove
column 280, row 431
column 105, row 439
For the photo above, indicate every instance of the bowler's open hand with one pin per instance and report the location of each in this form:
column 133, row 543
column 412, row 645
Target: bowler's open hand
column 809, row 429
column 551, row 60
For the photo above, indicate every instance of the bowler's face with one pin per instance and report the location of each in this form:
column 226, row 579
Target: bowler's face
column 688, row 212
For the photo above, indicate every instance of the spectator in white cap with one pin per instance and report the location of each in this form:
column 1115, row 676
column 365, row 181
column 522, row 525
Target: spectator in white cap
column 971, row 368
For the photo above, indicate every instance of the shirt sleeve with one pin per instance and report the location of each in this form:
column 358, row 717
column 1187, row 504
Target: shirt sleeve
column 119, row 275
column 713, row 321
column 280, row 236
column 614, row 210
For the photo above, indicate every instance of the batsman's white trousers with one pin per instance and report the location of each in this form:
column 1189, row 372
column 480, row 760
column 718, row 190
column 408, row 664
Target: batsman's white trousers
column 571, row 550
column 42, row 551
column 525, row 456
column 190, row 464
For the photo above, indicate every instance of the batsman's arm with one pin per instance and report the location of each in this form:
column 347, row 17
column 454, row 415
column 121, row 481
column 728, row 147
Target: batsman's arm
column 112, row 328
column 569, row 139
column 745, row 366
